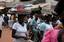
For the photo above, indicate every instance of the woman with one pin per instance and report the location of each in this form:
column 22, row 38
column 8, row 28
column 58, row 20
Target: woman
column 20, row 29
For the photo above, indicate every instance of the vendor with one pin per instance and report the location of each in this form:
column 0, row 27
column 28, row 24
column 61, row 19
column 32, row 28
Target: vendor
column 20, row 28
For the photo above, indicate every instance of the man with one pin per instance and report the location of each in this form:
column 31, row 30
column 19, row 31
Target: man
column 1, row 22
column 6, row 18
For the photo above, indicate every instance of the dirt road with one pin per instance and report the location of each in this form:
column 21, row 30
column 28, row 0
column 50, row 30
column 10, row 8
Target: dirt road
column 6, row 35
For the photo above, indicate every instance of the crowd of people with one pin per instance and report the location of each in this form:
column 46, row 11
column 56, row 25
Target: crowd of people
column 39, row 28
column 36, row 27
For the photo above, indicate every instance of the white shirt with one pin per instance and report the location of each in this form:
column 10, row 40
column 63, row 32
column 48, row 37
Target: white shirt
column 1, row 21
column 44, row 26
column 21, row 30
column 48, row 27
column 38, row 21
column 58, row 22
column 10, row 23
column 29, row 20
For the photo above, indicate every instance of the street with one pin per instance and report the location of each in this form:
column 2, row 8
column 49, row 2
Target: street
column 6, row 35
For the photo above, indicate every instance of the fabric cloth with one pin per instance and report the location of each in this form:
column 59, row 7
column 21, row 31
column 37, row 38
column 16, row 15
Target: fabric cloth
column 19, row 40
column 50, row 36
column 11, row 22
column 20, row 30
column 29, row 20
column 58, row 22
column 33, row 22
column 35, row 36
column 38, row 21
column 44, row 27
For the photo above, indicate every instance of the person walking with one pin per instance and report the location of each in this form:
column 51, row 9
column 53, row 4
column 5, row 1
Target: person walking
column 19, row 29
column 1, row 23
column 6, row 18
